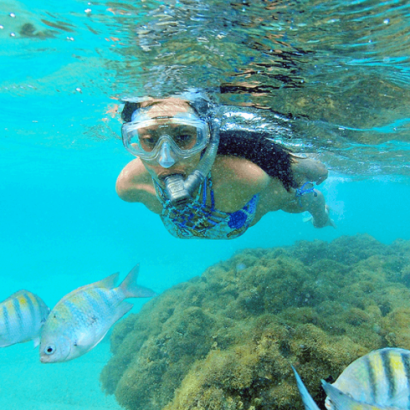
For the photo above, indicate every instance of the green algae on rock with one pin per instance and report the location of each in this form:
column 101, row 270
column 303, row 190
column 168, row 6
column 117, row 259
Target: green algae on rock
column 226, row 340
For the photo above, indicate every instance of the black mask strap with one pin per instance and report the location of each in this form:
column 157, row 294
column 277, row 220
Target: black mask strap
column 129, row 109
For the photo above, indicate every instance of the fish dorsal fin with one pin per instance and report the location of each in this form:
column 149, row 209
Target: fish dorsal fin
column 16, row 295
column 107, row 283
column 306, row 397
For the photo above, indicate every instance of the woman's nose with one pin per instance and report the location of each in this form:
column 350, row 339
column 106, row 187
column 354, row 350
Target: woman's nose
column 166, row 159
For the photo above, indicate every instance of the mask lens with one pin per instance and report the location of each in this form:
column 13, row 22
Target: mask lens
column 185, row 136
column 143, row 138
column 148, row 138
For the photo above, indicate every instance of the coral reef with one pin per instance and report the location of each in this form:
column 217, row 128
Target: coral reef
column 226, row 340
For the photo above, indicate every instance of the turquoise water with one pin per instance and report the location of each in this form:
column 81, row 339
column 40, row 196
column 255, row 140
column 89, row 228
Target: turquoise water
column 341, row 69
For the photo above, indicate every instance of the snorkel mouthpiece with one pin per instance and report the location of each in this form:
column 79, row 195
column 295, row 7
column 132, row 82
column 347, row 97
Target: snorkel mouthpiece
column 175, row 189
column 179, row 191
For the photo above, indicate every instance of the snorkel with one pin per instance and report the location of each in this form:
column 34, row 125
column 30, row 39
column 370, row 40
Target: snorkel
column 179, row 191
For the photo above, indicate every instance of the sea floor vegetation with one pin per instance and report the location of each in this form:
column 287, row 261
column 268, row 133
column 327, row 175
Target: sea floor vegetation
column 226, row 340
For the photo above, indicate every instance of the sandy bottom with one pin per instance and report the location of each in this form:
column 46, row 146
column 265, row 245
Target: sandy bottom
column 25, row 383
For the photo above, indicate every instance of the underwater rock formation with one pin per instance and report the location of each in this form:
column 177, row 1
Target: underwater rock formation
column 226, row 340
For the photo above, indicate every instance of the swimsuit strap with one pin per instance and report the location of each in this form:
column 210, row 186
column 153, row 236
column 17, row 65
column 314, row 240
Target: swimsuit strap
column 303, row 190
column 211, row 191
column 202, row 220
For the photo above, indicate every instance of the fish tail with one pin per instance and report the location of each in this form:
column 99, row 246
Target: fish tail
column 306, row 397
column 130, row 288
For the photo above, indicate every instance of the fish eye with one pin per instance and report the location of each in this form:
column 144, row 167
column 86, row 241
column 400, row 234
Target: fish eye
column 49, row 350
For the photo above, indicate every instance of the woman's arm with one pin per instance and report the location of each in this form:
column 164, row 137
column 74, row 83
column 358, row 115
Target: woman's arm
column 306, row 198
column 306, row 172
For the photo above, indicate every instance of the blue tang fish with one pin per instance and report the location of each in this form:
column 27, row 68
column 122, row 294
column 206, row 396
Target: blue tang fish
column 81, row 319
column 21, row 316
column 378, row 380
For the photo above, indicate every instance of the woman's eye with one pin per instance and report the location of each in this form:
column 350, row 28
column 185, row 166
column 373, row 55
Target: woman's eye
column 184, row 140
column 148, row 140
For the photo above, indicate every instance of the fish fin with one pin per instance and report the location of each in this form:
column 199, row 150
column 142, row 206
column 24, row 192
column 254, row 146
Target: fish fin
column 340, row 400
column 122, row 309
column 36, row 341
column 130, row 288
column 86, row 343
column 306, row 397
column 308, row 219
column 107, row 283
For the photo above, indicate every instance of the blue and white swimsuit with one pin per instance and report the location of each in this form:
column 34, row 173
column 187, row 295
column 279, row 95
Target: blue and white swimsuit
column 202, row 221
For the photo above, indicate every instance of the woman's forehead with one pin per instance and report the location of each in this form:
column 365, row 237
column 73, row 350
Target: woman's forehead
column 166, row 107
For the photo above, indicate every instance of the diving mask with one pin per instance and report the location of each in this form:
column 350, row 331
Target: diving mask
column 148, row 138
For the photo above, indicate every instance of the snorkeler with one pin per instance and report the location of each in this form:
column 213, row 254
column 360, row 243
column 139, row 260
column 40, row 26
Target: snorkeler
column 207, row 182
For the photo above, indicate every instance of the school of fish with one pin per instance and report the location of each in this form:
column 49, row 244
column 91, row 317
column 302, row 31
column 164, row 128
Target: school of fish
column 77, row 323
column 378, row 380
column 80, row 320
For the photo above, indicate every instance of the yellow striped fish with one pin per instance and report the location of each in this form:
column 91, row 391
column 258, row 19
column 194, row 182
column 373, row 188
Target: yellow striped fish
column 82, row 318
column 378, row 380
column 21, row 316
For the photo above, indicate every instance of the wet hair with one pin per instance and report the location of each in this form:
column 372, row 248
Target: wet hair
column 254, row 146
column 129, row 109
column 258, row 148
column 200, row 106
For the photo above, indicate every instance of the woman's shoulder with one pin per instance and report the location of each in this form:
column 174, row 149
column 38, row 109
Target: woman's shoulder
column 237, row 170
column 235, row 181
column 134, row 172
column 134, row 184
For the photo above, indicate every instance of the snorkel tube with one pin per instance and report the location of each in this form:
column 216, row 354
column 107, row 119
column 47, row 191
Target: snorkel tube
column 179, row 191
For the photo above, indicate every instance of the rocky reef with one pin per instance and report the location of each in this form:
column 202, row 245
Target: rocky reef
column 226, row 340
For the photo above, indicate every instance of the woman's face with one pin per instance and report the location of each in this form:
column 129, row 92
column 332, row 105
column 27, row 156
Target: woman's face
column 169, row 108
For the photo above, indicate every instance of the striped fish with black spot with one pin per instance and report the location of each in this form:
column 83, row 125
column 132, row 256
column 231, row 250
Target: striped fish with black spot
column 81, row 319
column 21, row 317
column 378, row 380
